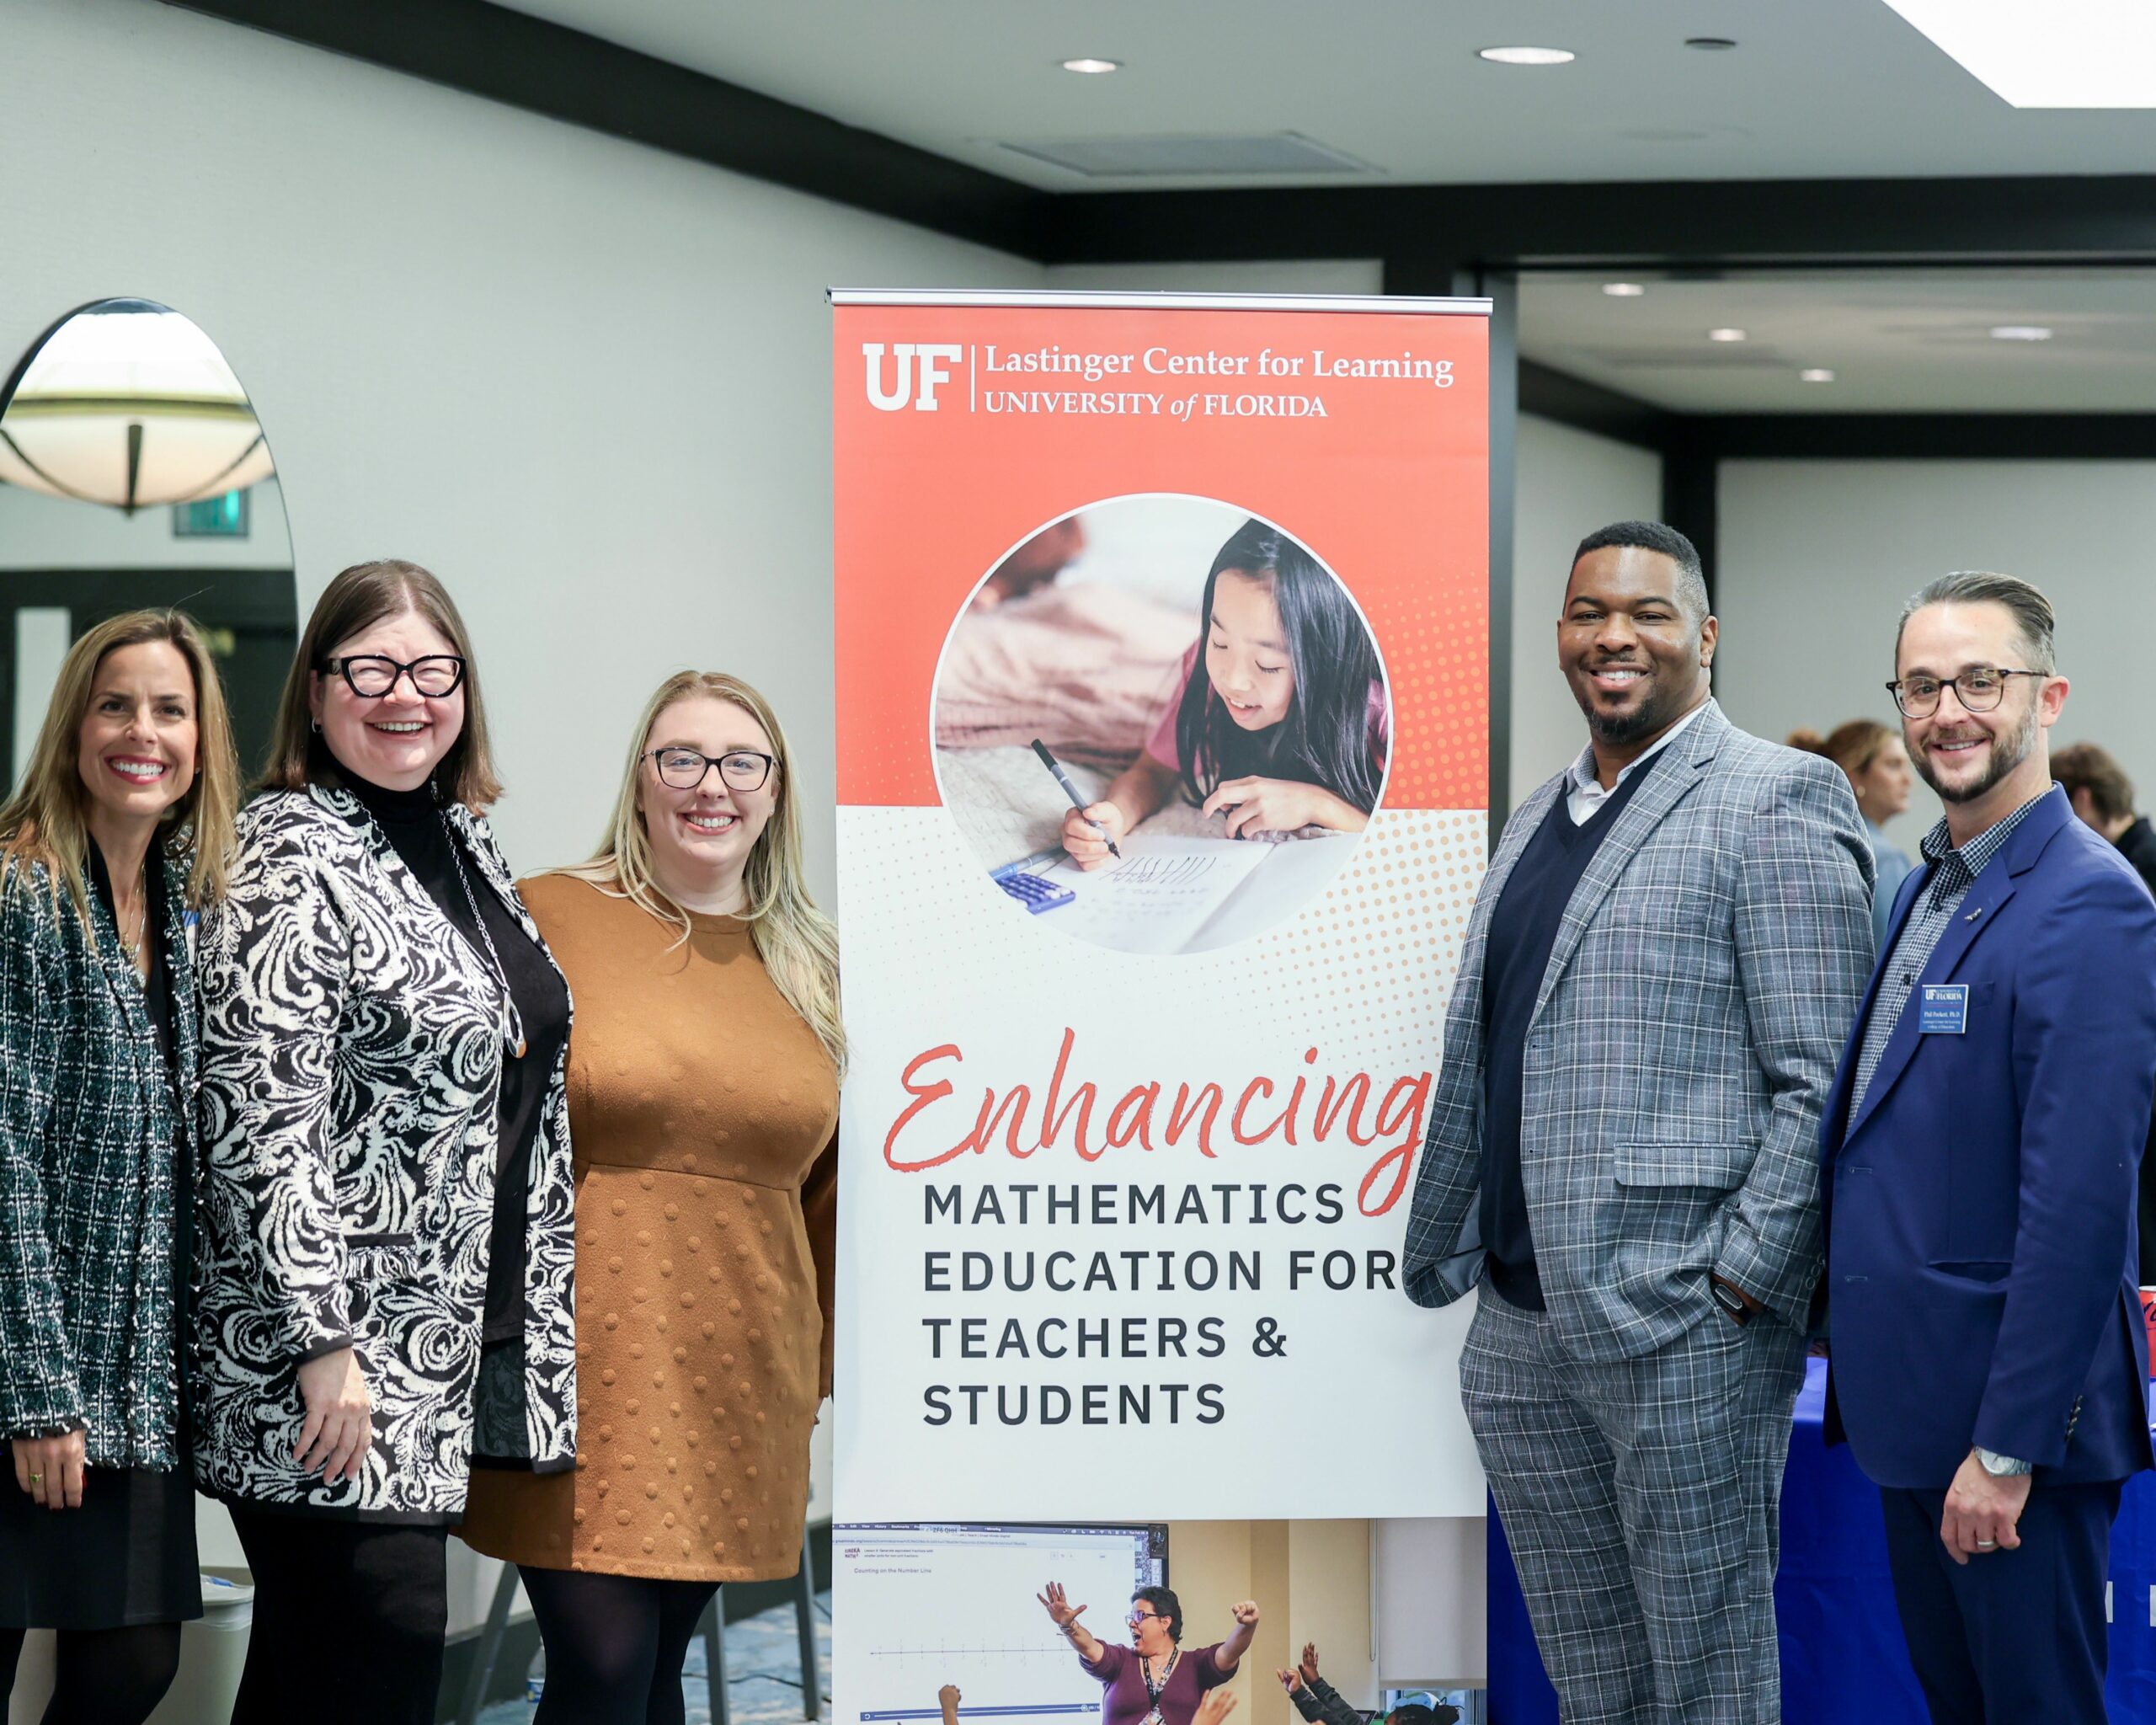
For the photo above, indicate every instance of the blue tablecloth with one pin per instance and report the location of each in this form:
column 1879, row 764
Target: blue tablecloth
column 1843, row 1656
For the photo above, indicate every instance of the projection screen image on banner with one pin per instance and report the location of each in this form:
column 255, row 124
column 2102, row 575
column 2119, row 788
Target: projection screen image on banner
column 1128, row 1135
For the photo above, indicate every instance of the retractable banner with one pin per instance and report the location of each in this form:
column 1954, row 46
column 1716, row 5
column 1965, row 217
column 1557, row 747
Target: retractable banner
column 1162, row 731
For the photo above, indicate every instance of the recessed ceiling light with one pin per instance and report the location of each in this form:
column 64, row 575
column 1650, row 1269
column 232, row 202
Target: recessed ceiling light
column 1815, row 374
column 2020, row 332
column 1712, row 45
column 1623, row 289
column 1528, row 56
column 1725, row 335
column 1087, row 64
column 2062, row 54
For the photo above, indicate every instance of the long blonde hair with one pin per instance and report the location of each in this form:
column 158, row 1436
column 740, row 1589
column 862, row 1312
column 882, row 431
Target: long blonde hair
column 798, row 942
column 45, row 820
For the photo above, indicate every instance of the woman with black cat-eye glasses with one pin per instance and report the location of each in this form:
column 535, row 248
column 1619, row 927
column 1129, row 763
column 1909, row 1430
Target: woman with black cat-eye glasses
column 388, row 1223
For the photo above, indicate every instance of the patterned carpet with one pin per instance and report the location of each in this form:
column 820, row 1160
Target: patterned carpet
column 763, row 1673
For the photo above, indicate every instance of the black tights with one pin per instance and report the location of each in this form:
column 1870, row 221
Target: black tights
column 615, row 1645
column 348, row 1620
column 102, row 1676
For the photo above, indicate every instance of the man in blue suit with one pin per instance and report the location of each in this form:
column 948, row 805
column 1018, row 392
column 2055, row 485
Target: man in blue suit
column 1980, row 1145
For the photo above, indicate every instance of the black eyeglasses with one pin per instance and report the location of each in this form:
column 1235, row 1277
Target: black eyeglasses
column 374, row 674
column 1978, row 690
column 739, row 769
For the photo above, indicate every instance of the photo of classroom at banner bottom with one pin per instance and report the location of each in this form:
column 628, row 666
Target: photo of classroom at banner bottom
column 1344, row 1622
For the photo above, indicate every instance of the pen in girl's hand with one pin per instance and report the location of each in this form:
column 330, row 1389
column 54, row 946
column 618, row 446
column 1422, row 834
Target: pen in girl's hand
column 1070, row 791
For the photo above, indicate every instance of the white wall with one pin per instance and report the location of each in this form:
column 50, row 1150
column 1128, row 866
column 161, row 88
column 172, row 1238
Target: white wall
column 1433, row 1620
column 1566, row 483
column 585, row 382
column 1817, row 558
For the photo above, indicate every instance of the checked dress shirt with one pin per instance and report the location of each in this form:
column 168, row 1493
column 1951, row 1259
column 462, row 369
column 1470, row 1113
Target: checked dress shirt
column 1953, row 873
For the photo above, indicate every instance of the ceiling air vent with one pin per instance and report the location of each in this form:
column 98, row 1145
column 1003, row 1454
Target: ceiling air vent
column 1134, row 158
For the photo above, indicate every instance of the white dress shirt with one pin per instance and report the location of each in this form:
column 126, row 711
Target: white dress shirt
column 1585, row 794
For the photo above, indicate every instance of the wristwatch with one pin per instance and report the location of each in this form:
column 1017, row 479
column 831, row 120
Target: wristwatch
column 1729, row 1299
column 2000, row 1466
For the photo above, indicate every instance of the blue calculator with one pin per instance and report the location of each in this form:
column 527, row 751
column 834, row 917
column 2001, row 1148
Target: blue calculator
column 1033, row 892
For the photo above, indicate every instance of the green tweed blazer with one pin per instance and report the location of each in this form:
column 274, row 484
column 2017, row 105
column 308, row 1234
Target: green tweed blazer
column 90, row 1137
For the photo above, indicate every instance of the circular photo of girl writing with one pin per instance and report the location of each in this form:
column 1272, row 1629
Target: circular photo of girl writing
column 1161, row 724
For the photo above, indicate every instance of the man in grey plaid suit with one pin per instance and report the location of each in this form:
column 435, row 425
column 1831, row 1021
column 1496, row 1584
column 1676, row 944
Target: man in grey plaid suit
column 1669, row 947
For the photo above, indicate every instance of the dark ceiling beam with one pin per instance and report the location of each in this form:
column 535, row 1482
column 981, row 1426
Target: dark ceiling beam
column 547, row 69
column 1925, row 436
column 1695, row 223
column 1693, row 438
column 1552, row 394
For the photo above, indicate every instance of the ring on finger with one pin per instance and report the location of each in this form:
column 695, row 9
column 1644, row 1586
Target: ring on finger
column 1986, row 1545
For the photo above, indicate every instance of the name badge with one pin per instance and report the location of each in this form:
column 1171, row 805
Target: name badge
column 1943, row 1009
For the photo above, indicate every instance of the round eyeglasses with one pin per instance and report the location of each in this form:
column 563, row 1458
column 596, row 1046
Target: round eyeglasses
column 1978, row 689
column 374, row 674
column 739, row 769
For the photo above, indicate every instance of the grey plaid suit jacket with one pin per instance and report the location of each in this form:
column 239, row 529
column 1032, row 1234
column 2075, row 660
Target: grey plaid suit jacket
column 1704, row 976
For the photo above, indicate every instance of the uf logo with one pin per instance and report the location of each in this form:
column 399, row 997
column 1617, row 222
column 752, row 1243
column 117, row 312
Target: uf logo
column 903, row 354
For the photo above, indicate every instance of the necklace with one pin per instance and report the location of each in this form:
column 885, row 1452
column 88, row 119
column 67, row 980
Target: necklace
column 1153, row 1689
column 133, row 947
column 512, row 1021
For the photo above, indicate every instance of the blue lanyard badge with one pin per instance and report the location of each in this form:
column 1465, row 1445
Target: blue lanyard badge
column 1943, row 1009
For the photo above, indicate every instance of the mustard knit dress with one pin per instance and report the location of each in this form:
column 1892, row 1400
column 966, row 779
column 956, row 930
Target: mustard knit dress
column 703, row 1114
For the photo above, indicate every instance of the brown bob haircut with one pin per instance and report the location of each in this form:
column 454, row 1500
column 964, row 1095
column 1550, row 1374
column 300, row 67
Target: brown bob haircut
column 358, row 598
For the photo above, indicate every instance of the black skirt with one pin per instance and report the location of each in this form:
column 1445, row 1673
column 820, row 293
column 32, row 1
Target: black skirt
column 125, row 1558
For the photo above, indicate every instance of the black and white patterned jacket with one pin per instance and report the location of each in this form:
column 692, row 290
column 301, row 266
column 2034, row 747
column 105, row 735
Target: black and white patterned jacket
column 351, row 1057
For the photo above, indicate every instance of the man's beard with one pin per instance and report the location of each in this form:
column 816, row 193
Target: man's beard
column 2007, row 753
column 1622, row 728
column 1658, row 713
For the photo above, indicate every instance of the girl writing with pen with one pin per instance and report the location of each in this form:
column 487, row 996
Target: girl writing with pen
column 1278, row 720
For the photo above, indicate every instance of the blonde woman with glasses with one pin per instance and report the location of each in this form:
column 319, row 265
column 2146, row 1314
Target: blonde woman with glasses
column 703, row 1086
column 120, row 829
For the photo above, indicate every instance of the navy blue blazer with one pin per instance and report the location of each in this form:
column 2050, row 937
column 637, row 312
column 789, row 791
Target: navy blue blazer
column 1980, row 1206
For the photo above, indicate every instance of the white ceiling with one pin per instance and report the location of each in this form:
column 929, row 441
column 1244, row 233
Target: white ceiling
column 1816, row 88
column 1913, row 341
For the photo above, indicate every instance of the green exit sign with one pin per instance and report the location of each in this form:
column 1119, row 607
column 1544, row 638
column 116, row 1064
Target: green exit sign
column 221, row 517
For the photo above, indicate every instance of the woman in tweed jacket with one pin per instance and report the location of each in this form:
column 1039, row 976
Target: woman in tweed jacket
column 387, row 1227
column 122, row 824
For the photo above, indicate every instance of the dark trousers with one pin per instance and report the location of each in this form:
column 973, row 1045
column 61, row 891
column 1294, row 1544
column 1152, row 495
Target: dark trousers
column 2010, row 1636
column 349, row 1618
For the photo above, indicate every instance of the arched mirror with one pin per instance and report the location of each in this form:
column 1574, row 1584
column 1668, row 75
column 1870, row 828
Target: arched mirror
column 134, row 473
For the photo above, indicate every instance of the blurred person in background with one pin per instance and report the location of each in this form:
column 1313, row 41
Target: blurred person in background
column 1877, row 766
column 2102, row 795
column 1316, row 1700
